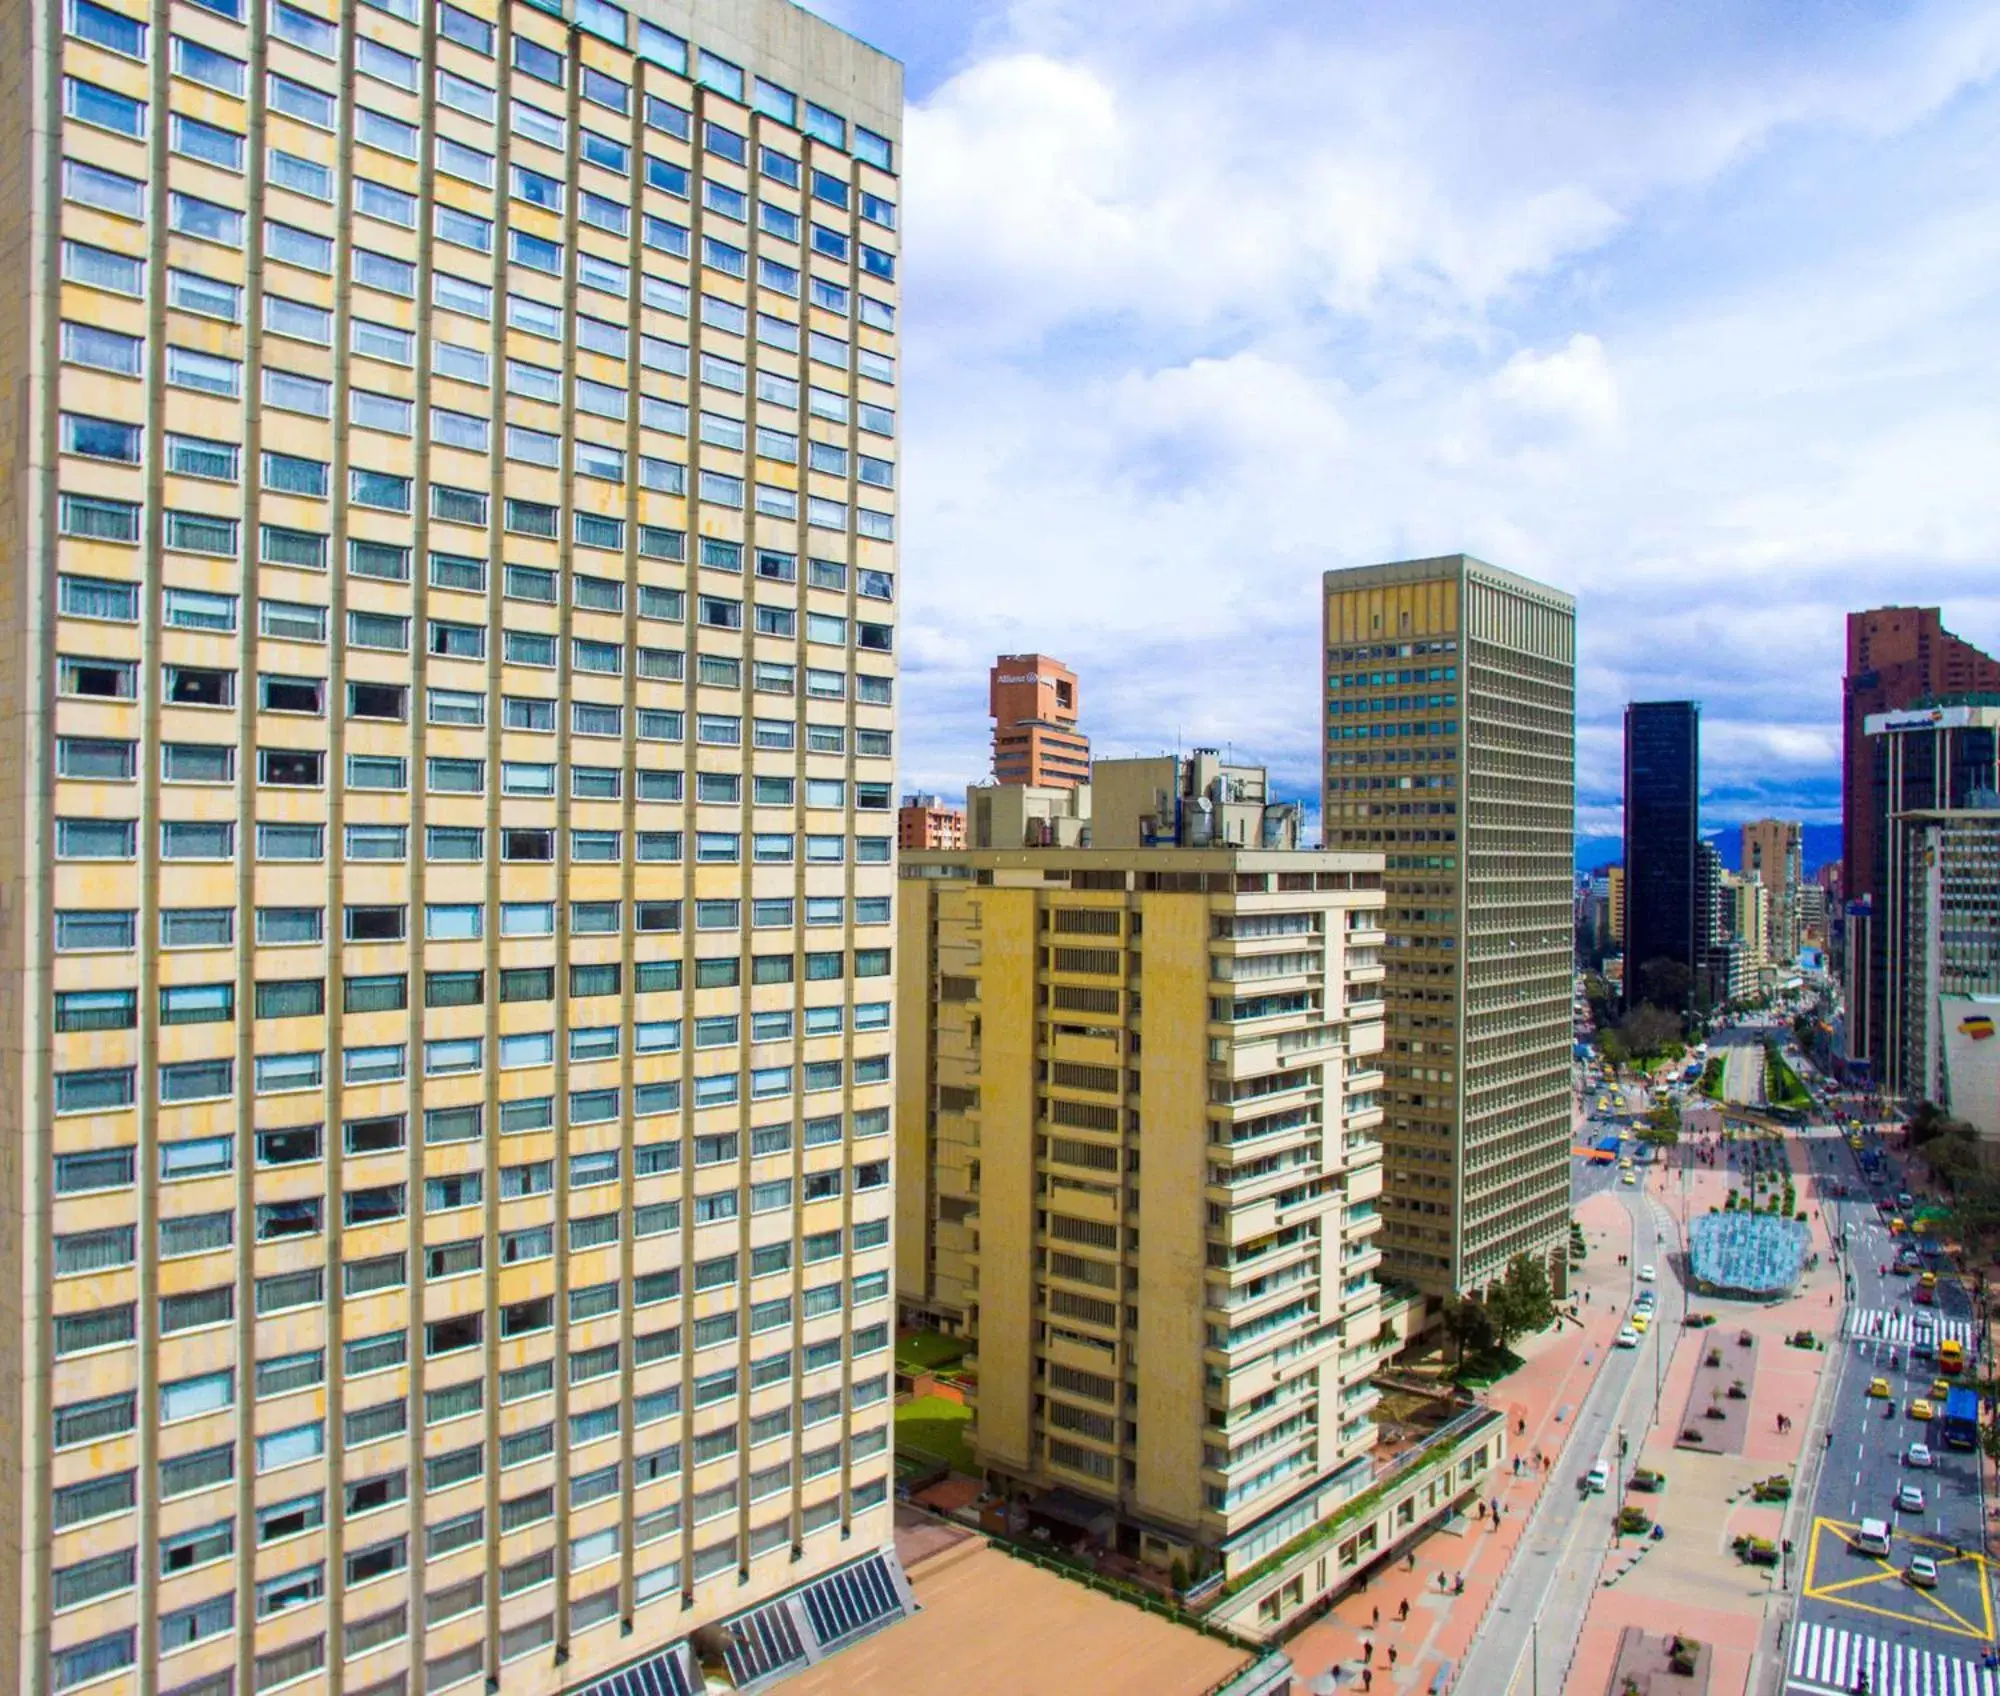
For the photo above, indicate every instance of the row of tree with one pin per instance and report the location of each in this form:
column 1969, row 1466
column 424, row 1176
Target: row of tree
column 1519, row 1303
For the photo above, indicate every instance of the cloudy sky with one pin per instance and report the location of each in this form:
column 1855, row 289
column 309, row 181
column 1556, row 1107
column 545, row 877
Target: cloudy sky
column 1691, row 309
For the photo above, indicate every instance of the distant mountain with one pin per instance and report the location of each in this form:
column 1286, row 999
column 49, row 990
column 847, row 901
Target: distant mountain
column 1820, row 843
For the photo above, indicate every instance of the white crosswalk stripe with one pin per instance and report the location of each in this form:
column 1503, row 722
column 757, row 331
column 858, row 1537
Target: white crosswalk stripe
column 1830, row 1659
column 1899, row 1325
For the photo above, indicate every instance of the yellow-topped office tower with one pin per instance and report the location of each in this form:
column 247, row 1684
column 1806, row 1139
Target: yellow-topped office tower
column 448, row 538
column 1450, row 725
column 1139, row 1150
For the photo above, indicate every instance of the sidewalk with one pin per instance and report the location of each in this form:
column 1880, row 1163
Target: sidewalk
column 1540, row 1399
column 1691, row 1581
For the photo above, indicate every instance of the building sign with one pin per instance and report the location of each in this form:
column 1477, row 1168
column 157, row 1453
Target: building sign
column 1930, row 718
column 1972, row 1059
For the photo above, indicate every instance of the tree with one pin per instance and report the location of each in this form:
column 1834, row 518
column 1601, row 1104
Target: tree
column 1928, row 1122
column 1522, row 1301
column 1469, row 1325
column 1666, row 983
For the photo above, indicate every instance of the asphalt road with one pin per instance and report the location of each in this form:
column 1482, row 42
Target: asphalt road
column 1536, row 1618
column 1856, row 1613
column 1743, row 1065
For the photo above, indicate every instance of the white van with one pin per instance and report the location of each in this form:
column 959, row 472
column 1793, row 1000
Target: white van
column 1873, row 1537
column 1599, row 1480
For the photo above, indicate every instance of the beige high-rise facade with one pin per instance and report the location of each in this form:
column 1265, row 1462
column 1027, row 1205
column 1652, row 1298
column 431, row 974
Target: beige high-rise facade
column 1451, row 750
column 1139, row 1139
column 1773, row 854
column 448, row 536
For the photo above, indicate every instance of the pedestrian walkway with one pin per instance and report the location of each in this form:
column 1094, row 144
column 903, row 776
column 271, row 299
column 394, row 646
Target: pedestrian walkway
column 1831, row 1662
column 1899, row 1325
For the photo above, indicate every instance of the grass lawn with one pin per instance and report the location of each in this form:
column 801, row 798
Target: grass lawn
column 1488, row 1367
column 926, row 1351
column 932, row 1426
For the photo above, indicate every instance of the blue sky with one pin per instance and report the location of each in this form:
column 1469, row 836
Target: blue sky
column 1693, row 310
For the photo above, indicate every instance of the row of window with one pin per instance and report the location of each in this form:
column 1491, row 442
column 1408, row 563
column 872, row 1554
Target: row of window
column 185, row 1551
column 280, row 692
column 216, row 613
column 299, row 998
column 227, row 226
column 115, row 760
column 100, row 1170
column 122, row 34
column 113, row 1247
column 216, row 1391
column 296, row 320
column 115, row 929
column 112, row 1495
column 117, row 840
column 105, row 1089
column 220, row 461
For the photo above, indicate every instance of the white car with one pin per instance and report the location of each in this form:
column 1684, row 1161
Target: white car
column 1910, row 1499
column 1645, row 1274
column 1919, row 1455
column 1627, row 1337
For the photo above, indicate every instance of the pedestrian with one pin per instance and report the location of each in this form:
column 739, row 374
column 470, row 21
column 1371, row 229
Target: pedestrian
column 1520, row 1427
column 1403, row 1612
column 1367, row 1679
column 1392, row 1657
column 1411, row 1565
column 1367, row 1652
column 1375, row 1618
column 1442, row 1584
column 1458, row 1585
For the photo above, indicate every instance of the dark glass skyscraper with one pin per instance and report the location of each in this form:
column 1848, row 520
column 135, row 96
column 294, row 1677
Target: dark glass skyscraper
column 1662, row 826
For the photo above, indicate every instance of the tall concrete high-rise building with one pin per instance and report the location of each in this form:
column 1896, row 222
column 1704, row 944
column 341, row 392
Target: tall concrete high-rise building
column 1035, row 702
column 1451, row 750
column 1935, row 775
column 1897, row 658
column 1175, row 1351
column 1664, row 923
column 448, row 710
column 1773, row 853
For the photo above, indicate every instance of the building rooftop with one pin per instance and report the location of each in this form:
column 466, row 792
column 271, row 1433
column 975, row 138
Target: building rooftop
column 992, row 1625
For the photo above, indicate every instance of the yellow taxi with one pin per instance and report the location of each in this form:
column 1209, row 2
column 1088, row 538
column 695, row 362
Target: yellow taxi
column 1640, row 1322
column 1897, row 1227
column 1879, row 1388
column 1940, row 1388
column 1853, row 1142
column 1929, row 1280
column 1920, row 1409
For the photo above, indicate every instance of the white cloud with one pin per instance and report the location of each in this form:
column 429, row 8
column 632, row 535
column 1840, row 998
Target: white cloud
column 1203, row 299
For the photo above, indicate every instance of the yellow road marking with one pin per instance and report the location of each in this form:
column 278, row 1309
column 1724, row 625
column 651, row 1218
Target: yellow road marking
column 1839, row 1592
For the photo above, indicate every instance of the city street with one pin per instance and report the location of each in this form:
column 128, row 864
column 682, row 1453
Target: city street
column 1858, row 1618
column 1538, row 1611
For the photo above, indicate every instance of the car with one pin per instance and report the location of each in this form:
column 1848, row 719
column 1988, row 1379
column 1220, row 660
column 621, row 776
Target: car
column 1645, row 1274
column 1902, row 1268
column 1922, row 1572
column 1910, row 1498
column 1598, row 1479
column 1629, row 1339
column 1919, row 1456
column 1879, row 1388
column 1920, row 1409
column 1905, row 1200
column 1640, row 1321
column 1940, row 1388
column 1628, row 1178
column 1853, row 1142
